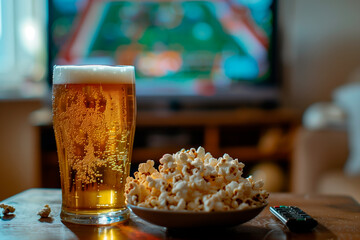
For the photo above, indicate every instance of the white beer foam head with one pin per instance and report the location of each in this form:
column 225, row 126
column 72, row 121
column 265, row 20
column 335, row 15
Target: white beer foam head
column 93, row 74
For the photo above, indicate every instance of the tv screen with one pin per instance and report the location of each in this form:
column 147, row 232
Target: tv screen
column 200, row 49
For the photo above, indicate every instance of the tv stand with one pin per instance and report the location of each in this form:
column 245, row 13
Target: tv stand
column 242, row 133
column 251, row 135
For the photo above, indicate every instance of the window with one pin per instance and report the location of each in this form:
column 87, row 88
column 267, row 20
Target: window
column 22, row 48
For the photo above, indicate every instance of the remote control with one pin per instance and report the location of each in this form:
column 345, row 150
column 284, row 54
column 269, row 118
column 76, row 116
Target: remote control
column 294, row 218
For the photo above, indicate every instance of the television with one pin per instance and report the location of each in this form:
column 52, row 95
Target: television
column 187, row 54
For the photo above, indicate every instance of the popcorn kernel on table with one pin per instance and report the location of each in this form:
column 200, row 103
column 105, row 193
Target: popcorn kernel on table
column 7, row 209
column 193, row 180
column 45, row 212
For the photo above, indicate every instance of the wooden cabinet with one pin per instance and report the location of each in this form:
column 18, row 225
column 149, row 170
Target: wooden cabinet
column 246, row 134
column 251, row 135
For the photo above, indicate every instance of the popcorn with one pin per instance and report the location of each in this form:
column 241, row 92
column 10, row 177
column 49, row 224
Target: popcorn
column 7, row 209
column 194, row 180
column 45, row 212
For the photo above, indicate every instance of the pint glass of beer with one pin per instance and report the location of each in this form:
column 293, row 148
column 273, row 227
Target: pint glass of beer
column 94, row 112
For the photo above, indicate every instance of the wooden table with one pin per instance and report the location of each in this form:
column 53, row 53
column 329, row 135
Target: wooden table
column 338, row 217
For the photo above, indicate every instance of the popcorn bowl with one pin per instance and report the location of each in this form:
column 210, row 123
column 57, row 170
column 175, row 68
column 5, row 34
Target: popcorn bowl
column 192, row 219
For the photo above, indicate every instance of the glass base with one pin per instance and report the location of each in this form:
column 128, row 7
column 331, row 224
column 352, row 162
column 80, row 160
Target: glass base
column 95, row 219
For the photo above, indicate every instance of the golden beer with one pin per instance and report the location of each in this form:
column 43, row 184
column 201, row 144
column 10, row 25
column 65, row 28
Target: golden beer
column 94, row 122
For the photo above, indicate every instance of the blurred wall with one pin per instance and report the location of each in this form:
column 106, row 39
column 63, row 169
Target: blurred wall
column 19, row 166
column 320, row 45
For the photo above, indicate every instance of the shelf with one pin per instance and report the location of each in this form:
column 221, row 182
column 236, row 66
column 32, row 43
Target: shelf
column 239, row 117
column 247, row 129
column 243, row 154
